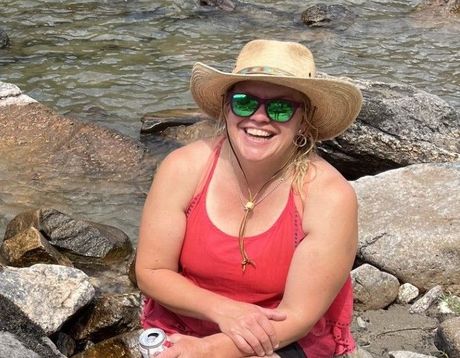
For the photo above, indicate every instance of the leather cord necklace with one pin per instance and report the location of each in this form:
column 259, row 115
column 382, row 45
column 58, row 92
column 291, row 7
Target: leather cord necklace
column 252, row 202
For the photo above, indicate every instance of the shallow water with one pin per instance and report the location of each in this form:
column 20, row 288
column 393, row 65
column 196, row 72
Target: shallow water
column 112, row 61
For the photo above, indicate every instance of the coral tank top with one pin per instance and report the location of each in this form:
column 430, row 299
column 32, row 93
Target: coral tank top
column 211, row 259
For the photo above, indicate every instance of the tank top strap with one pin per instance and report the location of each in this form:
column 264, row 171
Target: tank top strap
column 207, row 173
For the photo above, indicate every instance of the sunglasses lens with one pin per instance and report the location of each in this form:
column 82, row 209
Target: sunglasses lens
column 280, row 110
column 244, row 105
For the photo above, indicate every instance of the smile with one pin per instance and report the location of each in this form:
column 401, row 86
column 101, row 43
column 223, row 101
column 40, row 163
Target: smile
column 259, row 133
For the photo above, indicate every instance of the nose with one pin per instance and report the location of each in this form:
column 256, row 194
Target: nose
column 260, row 115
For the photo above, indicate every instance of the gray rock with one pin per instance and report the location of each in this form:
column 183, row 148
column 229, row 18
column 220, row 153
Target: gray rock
column 406, row 354
column 407, row 293
column 448, row 337
column 323, row 15
column 409, row 224
column 4, row 39
column 12, row 347
column 372, row 288
column 11, row 94
column 20, row 337
column 398, row 125
column 427, row 300
column 77, row 237
column 47, row 294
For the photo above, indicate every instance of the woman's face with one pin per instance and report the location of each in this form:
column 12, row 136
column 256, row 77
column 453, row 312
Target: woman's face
column 257, row 137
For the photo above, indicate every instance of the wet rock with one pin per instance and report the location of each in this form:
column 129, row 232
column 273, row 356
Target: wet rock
column 398, row 125
column 124, row 345
column 20, row 337
column 55, row 145
column 323, row 15
column 408, row 224
column 448, row 337
column 107, row 316
column 4, row 39
column 407, row 293
column 47, row 294
column 132, row 269
column 226, row 5
column 29, row 247
column 372, row 288
column 83, row 241
column 427, row 300
column 158, row 121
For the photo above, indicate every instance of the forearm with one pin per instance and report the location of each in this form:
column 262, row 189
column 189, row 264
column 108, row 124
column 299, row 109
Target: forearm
column 180, row 295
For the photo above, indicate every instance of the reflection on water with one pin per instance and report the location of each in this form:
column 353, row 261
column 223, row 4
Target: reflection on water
column 112, row 61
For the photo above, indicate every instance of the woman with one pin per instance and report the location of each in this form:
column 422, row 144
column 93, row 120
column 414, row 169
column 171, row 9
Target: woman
column 247, row 240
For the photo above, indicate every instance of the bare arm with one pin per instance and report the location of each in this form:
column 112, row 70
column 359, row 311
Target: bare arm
column 320, row 266
column 161, row 237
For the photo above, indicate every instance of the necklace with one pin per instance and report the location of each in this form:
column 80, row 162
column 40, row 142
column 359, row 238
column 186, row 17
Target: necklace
column 252, row 202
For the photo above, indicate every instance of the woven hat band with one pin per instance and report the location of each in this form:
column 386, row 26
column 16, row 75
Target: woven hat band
column 264, row 70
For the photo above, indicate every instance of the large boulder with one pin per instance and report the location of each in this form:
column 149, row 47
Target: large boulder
column 398, row 125
column 20, row 337
column 409, row 224
column 47, row 294
column 79, row 238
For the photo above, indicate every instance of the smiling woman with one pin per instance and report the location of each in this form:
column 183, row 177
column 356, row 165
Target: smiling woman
column 252, row 256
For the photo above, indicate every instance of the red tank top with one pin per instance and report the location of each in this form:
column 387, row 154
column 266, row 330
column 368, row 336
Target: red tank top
column 211, row 259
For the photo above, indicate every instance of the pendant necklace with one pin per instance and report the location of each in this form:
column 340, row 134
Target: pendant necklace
column 252, row 202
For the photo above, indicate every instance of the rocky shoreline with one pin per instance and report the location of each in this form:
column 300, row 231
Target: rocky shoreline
column 67, row 285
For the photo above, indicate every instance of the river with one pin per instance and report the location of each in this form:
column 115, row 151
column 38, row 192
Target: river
column 112, row 61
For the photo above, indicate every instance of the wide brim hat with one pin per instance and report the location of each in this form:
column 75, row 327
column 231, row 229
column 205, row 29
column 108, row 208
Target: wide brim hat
column 290, row 64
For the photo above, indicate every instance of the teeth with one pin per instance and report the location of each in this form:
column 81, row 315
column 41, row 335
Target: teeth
column 257, row 132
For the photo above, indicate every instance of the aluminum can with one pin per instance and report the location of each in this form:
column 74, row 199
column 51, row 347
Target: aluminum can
column 152, row 342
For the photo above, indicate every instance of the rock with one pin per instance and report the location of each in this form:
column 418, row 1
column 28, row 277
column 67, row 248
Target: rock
column 373, row 289
column 398, row 125
column 29, row 247
column 188, row 134
column 4, row 39
column 427, row 300
column 11, row 94
column 47, row 294
column 407, row 293
column 132, row 269
column 106, row 317
column 124, row 345
column 409, row 224
column 54, row 146
column 406, row 354
column 323, row 15
column 20, row 337
column 439, row 7
column 158, row 121
column 226, row 5
column 448, row 337
column 82, row 240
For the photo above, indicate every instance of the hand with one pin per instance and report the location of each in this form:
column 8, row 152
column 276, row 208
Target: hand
column 186, row 347
column 249, row 327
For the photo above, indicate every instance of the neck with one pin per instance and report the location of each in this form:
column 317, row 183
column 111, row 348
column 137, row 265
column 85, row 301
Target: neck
column 254, row 175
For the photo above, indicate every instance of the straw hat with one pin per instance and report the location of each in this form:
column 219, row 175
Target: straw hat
column 288, row 64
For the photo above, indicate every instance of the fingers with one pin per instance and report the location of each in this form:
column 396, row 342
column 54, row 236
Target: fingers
column 273, row 315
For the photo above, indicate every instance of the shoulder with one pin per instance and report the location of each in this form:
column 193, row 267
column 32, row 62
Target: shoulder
column 184, row 167
column 327, row 194
column 189, row 158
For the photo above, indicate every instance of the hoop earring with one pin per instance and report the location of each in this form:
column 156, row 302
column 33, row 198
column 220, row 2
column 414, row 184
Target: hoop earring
column 300, row 140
